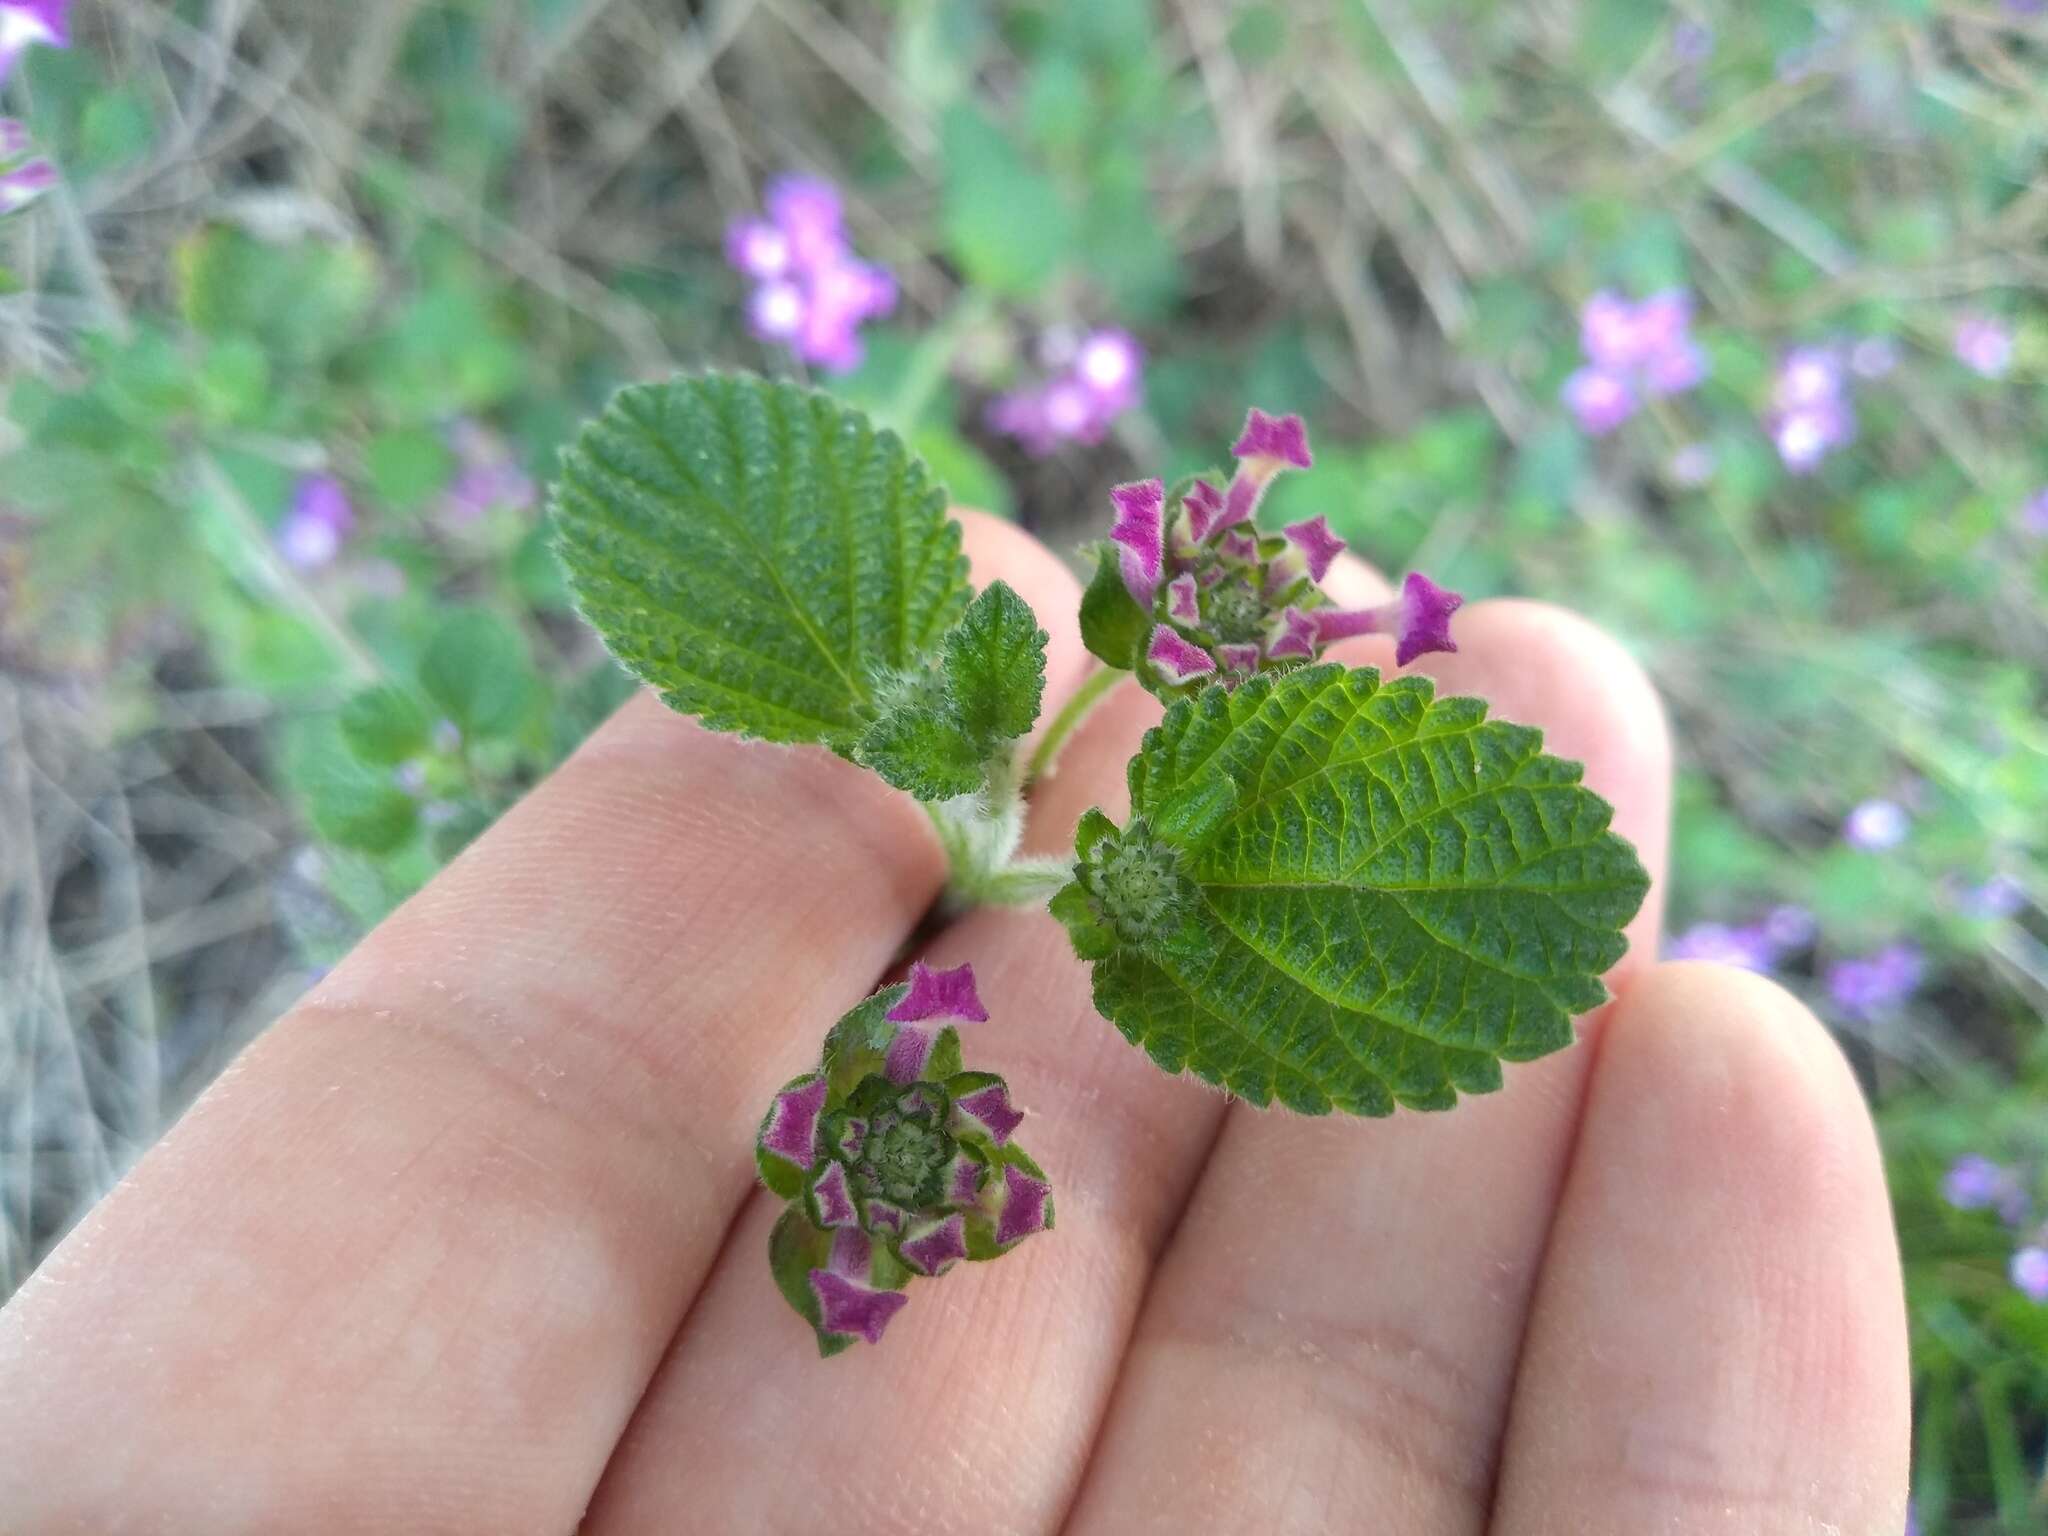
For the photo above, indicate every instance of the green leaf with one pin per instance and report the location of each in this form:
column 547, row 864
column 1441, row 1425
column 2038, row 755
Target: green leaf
column 1113, row 626
column 994, row 664
column 477, row 670
column 759, row 552
column 922, row 750
column 1347, row 894
column 1003, row 219
column 349, row 804
column 385, row 725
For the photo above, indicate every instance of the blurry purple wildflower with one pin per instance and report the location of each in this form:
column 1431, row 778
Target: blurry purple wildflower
column 1876, row 984
column 487, row 477
column 1099, row 377
column 1984, row 345
column 1810, row 414
column 2030, row 1272
column 26, row 23
column 317, row 522
column 811, row 292
column 1692, row 41
column 1634, row 351
column 1975, row 1183
column 2000, row 896
column 1789, row 927
column 1876, row 826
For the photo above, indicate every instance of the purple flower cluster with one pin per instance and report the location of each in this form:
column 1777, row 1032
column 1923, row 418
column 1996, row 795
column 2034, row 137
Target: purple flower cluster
column 317, row 522
column 2034, row 515
column 895, row 1162
column 23, row 177
column 1811, row 415
column 1757, row 946
column 811, row 293
column 1223, row 601
column 1634, row 351
column 1984, row 345
column 1095, row 379
column 1871, row 986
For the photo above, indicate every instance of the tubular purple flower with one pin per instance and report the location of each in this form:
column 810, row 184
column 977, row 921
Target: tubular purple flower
column 935, row 1246
column 1877, row 984
column 1024, row 1206
column 1300, row 636
column 1266, row 446
column 758, row 249
column 1316, row 544
column 1178, row 659
column 1419, row 620
column 13, row 138
column 1139, row 533
column 1204, row 504
column 989, row 1111
column 832, row 1198
column 791, row 1129
column 808, row 211
column 1747, row 948
column 1183, row 600
column 847, row 1303
column 946, row 996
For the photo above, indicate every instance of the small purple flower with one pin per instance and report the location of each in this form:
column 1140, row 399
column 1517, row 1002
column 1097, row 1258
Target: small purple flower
column 892, row 1161
column 1419, row 620
column 1984, row 345
column 1811, row 415
column 1999, row 897
column 1099, row 377
column 317, row 522
column 1876, row 984
column 1692, row 42
column 1876, row 826
column 1634, row 351
column 811, row 293
column 1139, row 535
column 2030, row 1273
column 26, row 23
column 1975, row 1183
column 1179, row 660
column 1317, row 546
column 1789, row 927
column 487, row 477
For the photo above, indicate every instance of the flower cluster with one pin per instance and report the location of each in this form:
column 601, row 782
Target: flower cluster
column 1975, row 1183
column 1759, row 946
column 895, row 1162
column 315, row 525
column 1810, row 415
column 1634, row 352
column 1094, row 380
column 1219, row 601
column 811, row 292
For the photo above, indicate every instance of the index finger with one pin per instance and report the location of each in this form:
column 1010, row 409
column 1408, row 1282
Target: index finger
column 412, row 1260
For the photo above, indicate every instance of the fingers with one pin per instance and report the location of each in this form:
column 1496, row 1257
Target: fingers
column 1336, row 1322
column 976, row 1412
column 424, row 1244
column 1718, row 1343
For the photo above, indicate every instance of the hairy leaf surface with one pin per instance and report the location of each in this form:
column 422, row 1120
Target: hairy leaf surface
column 1348, row 894
column 759, row 552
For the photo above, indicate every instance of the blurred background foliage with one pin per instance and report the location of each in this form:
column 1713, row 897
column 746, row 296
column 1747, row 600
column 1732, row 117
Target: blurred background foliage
column 322, row 289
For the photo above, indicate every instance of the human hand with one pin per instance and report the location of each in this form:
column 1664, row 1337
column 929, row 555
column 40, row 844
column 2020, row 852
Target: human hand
column 470, row 1242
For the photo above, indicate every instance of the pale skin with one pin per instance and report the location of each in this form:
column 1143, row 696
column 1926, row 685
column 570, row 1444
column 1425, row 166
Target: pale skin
column 470, row 1242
